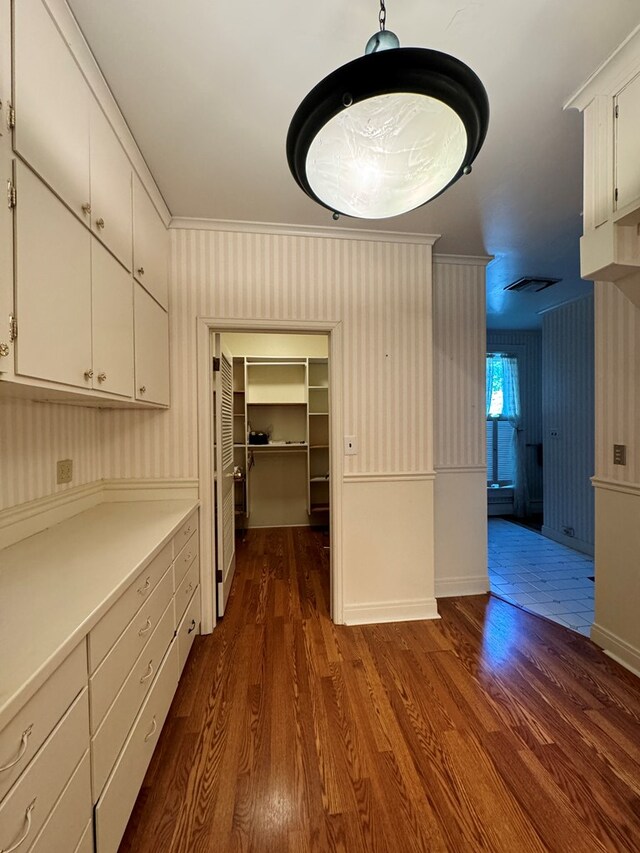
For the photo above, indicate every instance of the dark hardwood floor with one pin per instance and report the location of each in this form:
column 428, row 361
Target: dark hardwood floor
column 488, row 730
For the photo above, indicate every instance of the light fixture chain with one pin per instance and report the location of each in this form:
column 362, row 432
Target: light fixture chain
column 382, row 16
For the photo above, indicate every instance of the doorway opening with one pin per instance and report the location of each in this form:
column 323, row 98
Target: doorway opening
column 267, row 445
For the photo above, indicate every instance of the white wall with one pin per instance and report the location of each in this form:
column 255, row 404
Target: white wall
column 568, row 410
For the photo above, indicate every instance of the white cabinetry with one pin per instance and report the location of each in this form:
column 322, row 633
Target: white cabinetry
column 112, row 323
column 151, row 349
column 149, row 245
column 610, row 102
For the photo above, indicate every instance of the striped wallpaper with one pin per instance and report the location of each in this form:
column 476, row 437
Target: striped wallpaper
column 381, row 291
column 458, row 365
column 33, row 436
column 528, row 347
column 617, row 358
column 568, row 407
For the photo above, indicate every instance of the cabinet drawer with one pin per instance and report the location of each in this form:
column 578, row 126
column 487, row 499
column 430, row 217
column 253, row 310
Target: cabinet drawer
column 109, row 738
column 119, row 796
column 66, row 824
column 188, row 629
column 112, row 624
column 107, row 680
column 27, row 731
column 185, row 558
column 186, row 588
column 189, row 527
column 86, row 842
column 25, row 809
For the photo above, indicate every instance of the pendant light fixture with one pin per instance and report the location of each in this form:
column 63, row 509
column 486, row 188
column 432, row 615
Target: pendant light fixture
column 389, row 131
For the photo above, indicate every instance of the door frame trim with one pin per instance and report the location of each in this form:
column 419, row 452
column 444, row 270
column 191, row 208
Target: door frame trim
column 204, row 327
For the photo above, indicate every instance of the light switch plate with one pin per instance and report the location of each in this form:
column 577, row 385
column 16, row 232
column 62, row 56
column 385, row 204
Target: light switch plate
column 619, row 454
column 350, row 445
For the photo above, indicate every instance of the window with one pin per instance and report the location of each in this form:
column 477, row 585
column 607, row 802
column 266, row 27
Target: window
column 503, row 411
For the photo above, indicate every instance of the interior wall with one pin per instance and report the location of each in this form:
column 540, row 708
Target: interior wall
column 568, row 423
column 274, row 345
column 459, row 431
column 381, row 294
column 529, row 343
column 617, row 394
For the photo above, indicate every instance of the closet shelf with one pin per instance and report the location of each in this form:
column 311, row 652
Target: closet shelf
column 319, row 480
column 320, row 414
column 275, row 403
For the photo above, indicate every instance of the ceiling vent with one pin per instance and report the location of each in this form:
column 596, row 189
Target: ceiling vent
column 532, row 284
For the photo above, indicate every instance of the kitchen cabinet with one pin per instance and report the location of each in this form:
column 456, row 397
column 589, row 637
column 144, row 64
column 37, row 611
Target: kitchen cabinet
column 149, row 245
column 627, row 162
column 151, row 349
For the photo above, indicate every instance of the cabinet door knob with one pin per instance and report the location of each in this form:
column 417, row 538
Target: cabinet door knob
column 86, row 209
column 88, row 374
column 143, row 388
column 102, row 377
column 140, row 270
column 100, row 223
column 4, row 349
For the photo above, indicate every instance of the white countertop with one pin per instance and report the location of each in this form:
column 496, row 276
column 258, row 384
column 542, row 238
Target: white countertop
column 56, row 585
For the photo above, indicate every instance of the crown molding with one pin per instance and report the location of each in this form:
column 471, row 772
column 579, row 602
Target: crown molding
column 287, row 230
column 614, row 73
column 463, row 260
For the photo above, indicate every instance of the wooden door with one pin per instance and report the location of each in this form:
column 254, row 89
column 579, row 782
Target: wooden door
column 225, row 506
column 51, row 100
column 151, row 345
column 53, row 286
column 112, row 321
column 111, row 214
column 150, row 244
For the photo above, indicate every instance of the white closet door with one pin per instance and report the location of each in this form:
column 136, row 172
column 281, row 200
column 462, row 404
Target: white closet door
column 111, row 212
column 53, row 286
column 52, row 105
column 151, row 325
column 112, row 289
column 225, row 515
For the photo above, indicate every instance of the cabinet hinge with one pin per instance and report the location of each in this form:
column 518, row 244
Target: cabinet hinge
column 11, row 117
column 219, row 576
column 617, row 111
column 615, row 194
column 12, row 194
column 216, row 365
column 13, row 328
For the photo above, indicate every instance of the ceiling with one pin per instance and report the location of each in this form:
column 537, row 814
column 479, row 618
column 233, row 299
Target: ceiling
column 208, row 90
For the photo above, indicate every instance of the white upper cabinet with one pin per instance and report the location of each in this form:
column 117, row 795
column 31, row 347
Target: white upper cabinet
column 112, row 323
column 51, row 101
column 111, row 215
column 150, row 245
column 627, row 148
column 151, row 349
column 53, row 293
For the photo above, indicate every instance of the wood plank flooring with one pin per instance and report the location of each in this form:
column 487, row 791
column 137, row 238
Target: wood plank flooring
column 488, row 730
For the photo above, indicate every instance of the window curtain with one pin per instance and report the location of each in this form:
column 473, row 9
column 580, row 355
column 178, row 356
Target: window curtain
column 503, row 400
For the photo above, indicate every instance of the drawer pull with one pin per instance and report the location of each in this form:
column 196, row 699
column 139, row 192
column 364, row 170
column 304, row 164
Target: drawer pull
column 189, row 588
column 143, row 589
column 26, row 734
column 187, row 557
column 187, row 531
column 146, row 629
column 27, row 830
column 148, row 673
column 192, row 627
column 154, row 726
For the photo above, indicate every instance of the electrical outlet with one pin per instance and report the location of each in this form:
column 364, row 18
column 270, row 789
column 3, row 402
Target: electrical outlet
column 554, row 433
column 619, row 454
column 568, row 531
column 64, row 471
column 350, row 445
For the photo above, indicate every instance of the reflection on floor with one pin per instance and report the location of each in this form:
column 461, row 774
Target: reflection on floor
column 527, row 569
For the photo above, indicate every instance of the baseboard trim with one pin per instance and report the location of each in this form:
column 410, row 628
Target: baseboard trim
column 453, row 587
column 27, row 519
column 570, row 541
column 616, row 648
column 374, row 612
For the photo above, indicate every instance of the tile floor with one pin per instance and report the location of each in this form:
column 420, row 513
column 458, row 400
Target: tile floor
column 540, row 575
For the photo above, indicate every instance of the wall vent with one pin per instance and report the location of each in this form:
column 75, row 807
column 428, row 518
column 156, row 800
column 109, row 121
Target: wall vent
column 531, row 283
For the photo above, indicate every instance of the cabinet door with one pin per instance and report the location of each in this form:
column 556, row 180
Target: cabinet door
column 151, row 349
column 112, row 323
column 627, row 135
column 150, row 243
column 52, row 105
column 111, row 214
column 53, row 286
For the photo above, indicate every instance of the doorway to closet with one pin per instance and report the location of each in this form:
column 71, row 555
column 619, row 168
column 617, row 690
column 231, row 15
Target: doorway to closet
column 271, row 432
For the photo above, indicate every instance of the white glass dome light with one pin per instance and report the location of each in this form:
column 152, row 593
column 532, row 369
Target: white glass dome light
column 389, row 131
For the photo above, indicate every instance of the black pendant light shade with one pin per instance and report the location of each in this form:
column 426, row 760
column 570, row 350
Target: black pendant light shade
column 388, row 132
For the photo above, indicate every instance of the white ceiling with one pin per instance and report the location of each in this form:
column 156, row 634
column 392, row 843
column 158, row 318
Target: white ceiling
column 209, row 88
